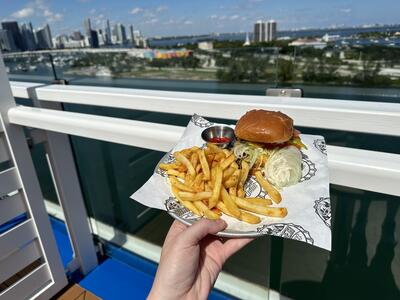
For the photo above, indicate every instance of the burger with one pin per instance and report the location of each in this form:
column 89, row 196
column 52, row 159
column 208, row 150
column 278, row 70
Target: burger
column 267, row 141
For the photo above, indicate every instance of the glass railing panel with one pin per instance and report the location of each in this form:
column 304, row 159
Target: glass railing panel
column 363, row 263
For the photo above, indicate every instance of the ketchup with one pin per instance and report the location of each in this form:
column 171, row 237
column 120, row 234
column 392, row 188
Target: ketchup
column 219, row 140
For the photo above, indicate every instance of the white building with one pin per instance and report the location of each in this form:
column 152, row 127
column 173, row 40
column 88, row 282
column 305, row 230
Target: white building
column 205, row 45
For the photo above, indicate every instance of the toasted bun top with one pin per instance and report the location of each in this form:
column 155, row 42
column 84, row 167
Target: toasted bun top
column 263, row 126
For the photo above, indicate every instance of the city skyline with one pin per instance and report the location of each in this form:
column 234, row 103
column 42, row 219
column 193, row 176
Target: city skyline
column 161, row 18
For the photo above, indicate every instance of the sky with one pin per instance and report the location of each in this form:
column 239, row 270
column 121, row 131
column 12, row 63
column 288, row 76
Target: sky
column 181, row 17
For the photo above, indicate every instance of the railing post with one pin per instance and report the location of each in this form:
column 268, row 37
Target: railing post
column 66, row 181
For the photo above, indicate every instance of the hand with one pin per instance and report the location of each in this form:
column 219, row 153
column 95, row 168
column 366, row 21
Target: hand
column 191, row 260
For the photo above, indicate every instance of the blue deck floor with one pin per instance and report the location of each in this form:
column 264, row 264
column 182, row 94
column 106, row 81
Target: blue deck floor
column 123, row 275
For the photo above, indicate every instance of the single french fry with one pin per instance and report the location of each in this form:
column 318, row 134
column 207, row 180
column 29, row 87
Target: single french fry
column 204, row 165
column 233, row 180
column 272, row 192
column 194, row 159
column 249, row 217
column 209, row 214
column 214, row 164
column 221, row 206
column 176, row 173
column 234, row 165
column 186, row 204
column 181, row 186
column 195, row 196
column 244, row 172
column 227, row 161
column 228, row 173
column 276, row 212
column 198, row 168
column 229, row 203
column 168, row 166
column 244, row 215
column 180, row 157
column 216, row 189
column 258, row 201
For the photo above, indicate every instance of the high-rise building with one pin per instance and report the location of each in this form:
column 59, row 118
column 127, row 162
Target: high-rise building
column 259, row 32
column 43, row 38
column 132, row 35
column 271, row 31
column 94, row 39
column 108, row 33
column 28, row 37
column 265, row 31
column 88, row 26
column 13, row 28
column 121, row 34
column 7, row 41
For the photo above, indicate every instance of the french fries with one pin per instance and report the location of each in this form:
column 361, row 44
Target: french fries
column 210, row 182
column 276, row 212
column 217, row 188
column 272, row 192
column 182, row 159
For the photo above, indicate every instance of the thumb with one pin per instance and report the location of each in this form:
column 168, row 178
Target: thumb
column 201, row 229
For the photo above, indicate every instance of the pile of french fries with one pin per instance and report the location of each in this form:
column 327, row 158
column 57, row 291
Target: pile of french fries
column 210, row 182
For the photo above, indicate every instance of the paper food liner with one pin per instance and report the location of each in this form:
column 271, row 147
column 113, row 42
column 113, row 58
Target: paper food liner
column 308, row 203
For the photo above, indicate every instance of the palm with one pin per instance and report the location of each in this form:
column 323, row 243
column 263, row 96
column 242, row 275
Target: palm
column 205, row 260
column 192, row 259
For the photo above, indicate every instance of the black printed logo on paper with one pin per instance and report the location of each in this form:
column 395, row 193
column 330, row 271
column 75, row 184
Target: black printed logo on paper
column 167, row 159
column 179, row 210
column 287, row 230
column 320, row 145
column 322, row 208
column 200, row 121
column 307, row 167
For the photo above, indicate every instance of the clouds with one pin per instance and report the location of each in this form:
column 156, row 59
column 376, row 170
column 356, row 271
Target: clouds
column 136, row 10
column 40, row 9
column 23, row 13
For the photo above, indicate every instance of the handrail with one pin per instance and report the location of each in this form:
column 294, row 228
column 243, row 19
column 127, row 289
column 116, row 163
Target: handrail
column 362, row 169
column 357, row 116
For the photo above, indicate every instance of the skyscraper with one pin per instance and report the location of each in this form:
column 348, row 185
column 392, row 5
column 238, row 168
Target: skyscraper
column 43, row 38
column 132, row 35
column 265, row 31
column 28, row 37
column 88, row 26
column 271, row 31
column 108, row 33
column 7, row 41
column 13, row 28
column 259, row 32
column 121, row 33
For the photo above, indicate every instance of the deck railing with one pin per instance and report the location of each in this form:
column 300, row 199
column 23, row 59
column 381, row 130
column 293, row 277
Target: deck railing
column 356, row 168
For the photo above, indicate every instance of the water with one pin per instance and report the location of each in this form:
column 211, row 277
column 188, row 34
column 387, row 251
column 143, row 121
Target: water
column 345, row 34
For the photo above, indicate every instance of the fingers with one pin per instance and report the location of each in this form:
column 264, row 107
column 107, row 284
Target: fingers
column 201, row 229
column 233, row 245
column 175, row 230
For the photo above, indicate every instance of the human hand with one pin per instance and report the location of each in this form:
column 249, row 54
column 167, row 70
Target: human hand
column 191, row 260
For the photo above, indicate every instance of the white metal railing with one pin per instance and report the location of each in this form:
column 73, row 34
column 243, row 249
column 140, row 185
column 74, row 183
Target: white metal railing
column 357, row 116
column 363, row 169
